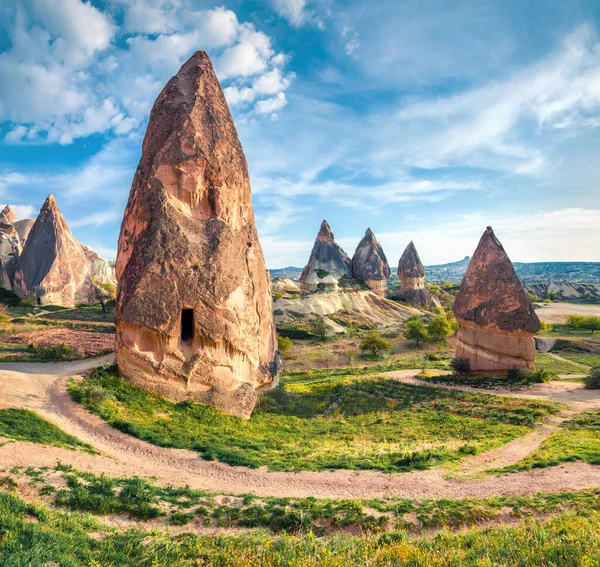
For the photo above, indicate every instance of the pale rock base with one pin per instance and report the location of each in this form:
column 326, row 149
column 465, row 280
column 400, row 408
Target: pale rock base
column 494, row 351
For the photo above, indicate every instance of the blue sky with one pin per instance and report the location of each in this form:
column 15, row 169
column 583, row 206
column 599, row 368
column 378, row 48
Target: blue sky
column 425, row 120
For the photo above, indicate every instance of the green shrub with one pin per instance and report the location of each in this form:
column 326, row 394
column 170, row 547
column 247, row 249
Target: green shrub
column 322, row 273
column 284, row 343
column 53, row 352
column 277, row 295
column 26, row 303
column 592, row 380
column 461, row 366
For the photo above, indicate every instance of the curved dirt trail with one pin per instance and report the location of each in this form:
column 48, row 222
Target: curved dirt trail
column 42, row 388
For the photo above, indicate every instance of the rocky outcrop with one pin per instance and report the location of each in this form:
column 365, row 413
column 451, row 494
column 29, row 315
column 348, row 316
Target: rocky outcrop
column 194, row 309
column 10, row 248
column 52, row 268
column 9, row 214
column 495, row 317
column 101, row 270
column 285, row 285
column 327, row 264
column 23, row 228
column 369, row 263
column 411, row 273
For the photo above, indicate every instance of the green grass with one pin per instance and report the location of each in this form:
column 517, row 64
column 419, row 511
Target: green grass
column 404, row 362
column 25, row 425
column 101, row 495
column 577, row 440
column 35, row 536
column 544, row 361
column 484, row 382
column 588, row 359
column 364, row 423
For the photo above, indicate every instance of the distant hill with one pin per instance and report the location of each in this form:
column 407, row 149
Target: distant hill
column 290, row 272
column 529, row 272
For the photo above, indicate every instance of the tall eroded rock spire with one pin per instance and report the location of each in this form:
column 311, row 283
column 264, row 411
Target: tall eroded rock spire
column 496, row 318
column 327, row 263
column 52, row 268
column 411, row 273
column 194, row 309
column 369, row 263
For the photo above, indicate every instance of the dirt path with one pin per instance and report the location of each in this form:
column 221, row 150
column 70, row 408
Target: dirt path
column 42, row 388
column 572, row 394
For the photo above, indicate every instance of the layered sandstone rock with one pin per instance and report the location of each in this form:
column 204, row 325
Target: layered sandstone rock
column 327, row 263
column 23, row 228
column 411, row 273
column 495, row 317
column 194, row 309
column 369, row 263
column 10, row 248
column 101, row 270
column 52, row 268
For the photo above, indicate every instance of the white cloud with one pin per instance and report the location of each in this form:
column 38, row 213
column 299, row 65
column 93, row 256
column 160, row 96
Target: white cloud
column 350, row 38
column 271, row 105
column 96, row 219
column 64, row 77
column 292, row 10
column 22, row 211
column 481, row 125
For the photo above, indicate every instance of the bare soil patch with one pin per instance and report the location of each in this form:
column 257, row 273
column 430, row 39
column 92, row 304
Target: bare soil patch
column 87, row 343
column 558, row 312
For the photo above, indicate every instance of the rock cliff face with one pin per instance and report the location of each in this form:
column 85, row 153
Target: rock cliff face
column 412, row 277
column 9, row 214
column 495, row 317
column 10, row 248
column 369, row 263
column 23, row 228
column 100, row 269
column 52, row 268
column 327, row 263
column 194, row 308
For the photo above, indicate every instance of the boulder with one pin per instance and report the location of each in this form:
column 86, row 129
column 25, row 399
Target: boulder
column 23, row 228
column 496, row 319
column 52, row 268
column 411, row 273
column 369, row 263
column 327, row 264
column 194, row 314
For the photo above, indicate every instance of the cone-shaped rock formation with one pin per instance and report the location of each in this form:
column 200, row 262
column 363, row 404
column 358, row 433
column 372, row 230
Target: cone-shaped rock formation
column 327, row 263
column 52, row 268
column 194, row 308
column 369, row 263
column 495, row 317
column 411, row 273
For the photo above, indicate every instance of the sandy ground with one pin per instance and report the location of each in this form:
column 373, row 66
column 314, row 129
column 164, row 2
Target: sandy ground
column 558, row 312
column 42, row 388
column 87, row 343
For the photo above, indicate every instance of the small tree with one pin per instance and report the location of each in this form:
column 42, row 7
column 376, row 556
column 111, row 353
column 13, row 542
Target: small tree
column 591, row 323
column 105, row 292
column 592, row 381
column 415, row 331
column 461, row 366
column 284, row 343
column 374, row 343
column 439, row 327
column 351, row 356
column 319, row 328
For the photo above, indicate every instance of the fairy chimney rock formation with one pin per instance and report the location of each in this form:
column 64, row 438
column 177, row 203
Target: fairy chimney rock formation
column 194, row 309
column 327, row 263
column 369, row 263
column 52, row 268
column 495, row 317
column 10, row 248
column 411, row 273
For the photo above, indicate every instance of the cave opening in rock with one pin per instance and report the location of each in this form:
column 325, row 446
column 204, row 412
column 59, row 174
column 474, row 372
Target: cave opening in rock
column 187, row 324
